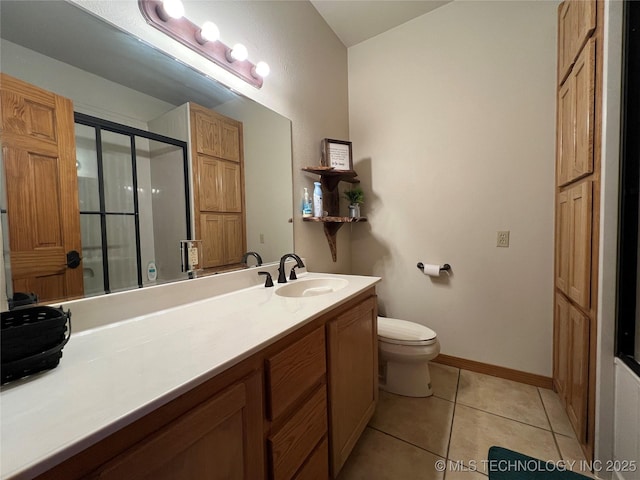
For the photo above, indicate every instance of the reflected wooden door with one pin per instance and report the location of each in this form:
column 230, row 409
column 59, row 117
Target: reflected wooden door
column 38, row 152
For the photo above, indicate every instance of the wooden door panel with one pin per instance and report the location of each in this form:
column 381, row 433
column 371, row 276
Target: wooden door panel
column 583, row 80
column 566, row 131
column 221, row 439
column 231, row 187
column 566, row 27
column 207, row 134
column 230, row 142
column 38, row 146
column 562, row 347
column 211, row 228
column 580, row 244
column 563, row 224
column 210, row 185
column 579, row 372
column 584, row 24
column 234, row 243
column 353, row 383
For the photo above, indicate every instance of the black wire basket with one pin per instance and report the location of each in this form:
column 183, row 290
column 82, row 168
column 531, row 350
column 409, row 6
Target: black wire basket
column 31, row 340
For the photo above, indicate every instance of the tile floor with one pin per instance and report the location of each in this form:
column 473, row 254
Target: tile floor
column 468, row 413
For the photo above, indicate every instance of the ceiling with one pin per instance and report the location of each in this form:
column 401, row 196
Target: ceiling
column 355, row 21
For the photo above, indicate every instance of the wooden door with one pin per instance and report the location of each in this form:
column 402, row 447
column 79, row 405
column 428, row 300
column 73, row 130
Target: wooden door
column 566, row 29
column 576, row 400
column 580, row 211
column 219, row 440
column 230, row 140
column 353, row 377
column 38, row 151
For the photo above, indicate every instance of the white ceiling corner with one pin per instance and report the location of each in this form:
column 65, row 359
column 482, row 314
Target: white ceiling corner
column 355, row 21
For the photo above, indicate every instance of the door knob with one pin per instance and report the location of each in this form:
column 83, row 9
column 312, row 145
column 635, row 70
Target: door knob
column 73, row 259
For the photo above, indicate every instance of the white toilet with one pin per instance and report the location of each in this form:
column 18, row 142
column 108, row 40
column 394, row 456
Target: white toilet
column 404, row 351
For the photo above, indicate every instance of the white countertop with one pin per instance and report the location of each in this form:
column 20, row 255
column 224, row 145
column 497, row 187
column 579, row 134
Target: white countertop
column 112, row 375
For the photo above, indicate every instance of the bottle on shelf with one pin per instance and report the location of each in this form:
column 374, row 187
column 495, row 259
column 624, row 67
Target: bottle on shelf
column 317, row 200
column 306, row 204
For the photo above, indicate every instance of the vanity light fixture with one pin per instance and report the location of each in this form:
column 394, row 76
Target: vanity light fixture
column 168, row 17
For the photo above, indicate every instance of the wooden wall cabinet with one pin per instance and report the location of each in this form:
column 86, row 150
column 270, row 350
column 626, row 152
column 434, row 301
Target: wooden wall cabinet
column 353, row 377
column 579, row 136
column 218, row 186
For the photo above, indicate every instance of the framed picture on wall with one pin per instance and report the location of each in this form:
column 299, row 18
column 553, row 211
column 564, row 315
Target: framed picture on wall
column 337, row 154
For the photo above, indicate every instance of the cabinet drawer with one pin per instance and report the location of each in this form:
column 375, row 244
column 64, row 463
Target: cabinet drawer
column 292, row 444
column 293, row 371
column 317, row 466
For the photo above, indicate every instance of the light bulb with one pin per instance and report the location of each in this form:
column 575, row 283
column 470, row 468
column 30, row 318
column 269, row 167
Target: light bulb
column 262, row 69
column 210, row 32
column 173, row 8
column 239, row 52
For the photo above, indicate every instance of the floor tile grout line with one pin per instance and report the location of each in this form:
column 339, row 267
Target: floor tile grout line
column 506, row 418
column 405, row 441
column 453, row 416
column 555, row 441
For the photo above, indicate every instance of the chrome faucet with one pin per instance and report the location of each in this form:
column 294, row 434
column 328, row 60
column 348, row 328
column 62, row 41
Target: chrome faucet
column 282, row 277
column 257, row 256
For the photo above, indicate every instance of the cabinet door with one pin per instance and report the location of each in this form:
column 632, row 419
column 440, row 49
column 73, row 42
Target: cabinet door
column 220, row 439
column 562, row 345
column 583, row 82
column 580, row 211
column 576, row 22
column 231, row 187
column 212, row 231
column 210, row 184
column 563, row 250
column 230, row 144
column 234, row 243
column 208, row 133
column 353, row 377
column 566, row 141
column 579, row 372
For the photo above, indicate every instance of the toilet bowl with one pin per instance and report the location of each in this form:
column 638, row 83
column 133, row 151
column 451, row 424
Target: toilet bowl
column 404, row 351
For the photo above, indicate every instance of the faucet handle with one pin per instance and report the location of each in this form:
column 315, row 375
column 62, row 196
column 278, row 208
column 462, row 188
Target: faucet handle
column 269, row 281
column 293, row 275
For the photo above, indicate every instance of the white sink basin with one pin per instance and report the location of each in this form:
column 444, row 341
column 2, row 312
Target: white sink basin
column 311, row 287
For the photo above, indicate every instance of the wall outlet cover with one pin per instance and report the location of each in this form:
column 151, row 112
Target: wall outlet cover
column 503, row 239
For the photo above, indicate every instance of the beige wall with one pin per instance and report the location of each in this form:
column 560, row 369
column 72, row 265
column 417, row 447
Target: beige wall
column 452, row 118
column 308, row 83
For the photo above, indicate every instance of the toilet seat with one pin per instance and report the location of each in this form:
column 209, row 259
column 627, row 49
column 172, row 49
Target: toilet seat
column 402, row 332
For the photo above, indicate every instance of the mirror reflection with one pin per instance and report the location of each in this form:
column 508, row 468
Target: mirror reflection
column 140, row 172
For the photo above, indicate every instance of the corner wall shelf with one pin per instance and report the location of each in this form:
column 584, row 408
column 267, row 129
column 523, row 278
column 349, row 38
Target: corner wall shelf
column 331, row 203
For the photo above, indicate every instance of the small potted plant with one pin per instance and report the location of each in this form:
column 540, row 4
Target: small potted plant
column 356, row 198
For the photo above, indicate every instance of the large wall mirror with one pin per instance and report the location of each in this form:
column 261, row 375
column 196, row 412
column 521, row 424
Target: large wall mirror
column 119, row 80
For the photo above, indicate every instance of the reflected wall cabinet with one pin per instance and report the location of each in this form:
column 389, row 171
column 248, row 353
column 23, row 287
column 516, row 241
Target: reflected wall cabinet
column 579, row 111
column 218, row 187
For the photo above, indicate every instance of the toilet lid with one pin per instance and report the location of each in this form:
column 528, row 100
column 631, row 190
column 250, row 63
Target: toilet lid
column 401, row 332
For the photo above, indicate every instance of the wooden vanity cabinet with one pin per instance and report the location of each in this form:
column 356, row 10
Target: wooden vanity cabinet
column 291, row 411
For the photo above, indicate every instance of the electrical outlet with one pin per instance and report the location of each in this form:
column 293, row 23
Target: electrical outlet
column 503, row 239
column 262, row 238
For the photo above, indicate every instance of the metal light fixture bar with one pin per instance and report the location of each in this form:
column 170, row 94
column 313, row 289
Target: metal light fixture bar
column 188, row 33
